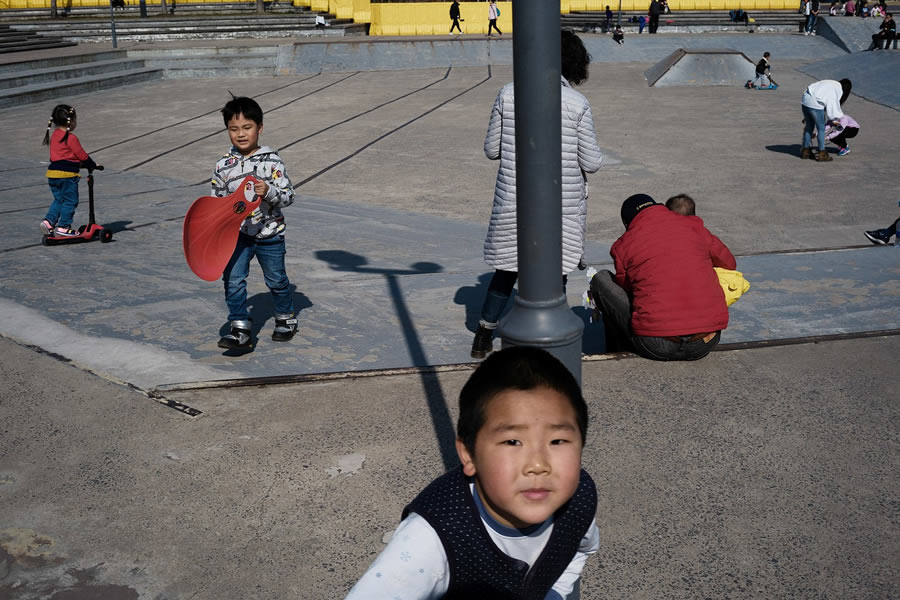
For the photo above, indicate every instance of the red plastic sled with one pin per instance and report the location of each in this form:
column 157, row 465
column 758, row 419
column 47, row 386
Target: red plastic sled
column 211, row 228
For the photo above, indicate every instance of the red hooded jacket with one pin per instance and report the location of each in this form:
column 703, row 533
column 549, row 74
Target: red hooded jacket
column 665, row 262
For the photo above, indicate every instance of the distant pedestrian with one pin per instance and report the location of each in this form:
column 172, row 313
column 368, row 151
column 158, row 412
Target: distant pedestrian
column 609, row 18
column 812, row 14
column 642, row 22
column 887, row 32
column 821, row 104
column 493, row 15
column 67, row 157
column 656, row 9
column 454, row 16
column 619, row 35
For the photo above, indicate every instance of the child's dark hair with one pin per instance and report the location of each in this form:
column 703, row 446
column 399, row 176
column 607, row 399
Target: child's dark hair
column 682, row 204
column 62, row 114
column 515, row 368
column 575, row 58
column 766, row 55
column 241, row 105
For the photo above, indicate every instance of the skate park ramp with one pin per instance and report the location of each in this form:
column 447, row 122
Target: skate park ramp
column 712, row 66
column 874, row 74
column 850, row 34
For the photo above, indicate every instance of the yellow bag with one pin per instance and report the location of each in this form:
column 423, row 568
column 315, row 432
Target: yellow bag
column 733, row 284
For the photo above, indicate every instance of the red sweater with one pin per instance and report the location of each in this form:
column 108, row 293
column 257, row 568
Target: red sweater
column 66, row 157
column 665, row 262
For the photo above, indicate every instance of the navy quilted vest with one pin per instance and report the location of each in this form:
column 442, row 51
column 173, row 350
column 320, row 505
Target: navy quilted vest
column 478, row 568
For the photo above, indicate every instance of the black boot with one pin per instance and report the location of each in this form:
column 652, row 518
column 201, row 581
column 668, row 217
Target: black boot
column 238, row 338
column 483, row 344
column 285, row 328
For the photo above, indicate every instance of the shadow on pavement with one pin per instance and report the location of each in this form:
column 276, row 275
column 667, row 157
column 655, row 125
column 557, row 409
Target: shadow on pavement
column 341, row 260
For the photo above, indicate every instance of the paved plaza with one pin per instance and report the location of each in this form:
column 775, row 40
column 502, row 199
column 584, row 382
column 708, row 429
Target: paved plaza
column 767, row 470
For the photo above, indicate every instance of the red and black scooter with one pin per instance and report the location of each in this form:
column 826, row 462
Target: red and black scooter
column 86, row 233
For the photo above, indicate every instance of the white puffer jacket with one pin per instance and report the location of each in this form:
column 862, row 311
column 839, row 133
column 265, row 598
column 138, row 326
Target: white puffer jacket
column 580, row 154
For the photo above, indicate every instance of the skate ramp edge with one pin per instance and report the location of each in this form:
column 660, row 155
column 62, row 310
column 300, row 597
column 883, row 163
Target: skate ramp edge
column 848, row 33
column 710, row 66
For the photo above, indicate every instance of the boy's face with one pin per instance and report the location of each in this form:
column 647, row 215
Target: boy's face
column 527, row 456
column 244, row 134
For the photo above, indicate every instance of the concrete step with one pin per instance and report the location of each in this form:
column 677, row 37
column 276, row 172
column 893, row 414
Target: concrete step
column 210, row 62
column 154, row 9
column 79, row 85
column 26, row 77
column 57, row 61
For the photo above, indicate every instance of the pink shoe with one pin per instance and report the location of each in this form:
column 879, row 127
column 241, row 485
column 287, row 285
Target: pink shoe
column 46, row 227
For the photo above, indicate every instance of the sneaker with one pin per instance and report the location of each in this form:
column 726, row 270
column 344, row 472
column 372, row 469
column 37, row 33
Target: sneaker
column 483, row 344
column 878, row 237
column 236, row 339
column 65, row 232
column 46, row 227
column 844, row 151
column 285, row 328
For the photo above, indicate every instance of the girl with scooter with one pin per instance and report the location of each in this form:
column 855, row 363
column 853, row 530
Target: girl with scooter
column 66, row 158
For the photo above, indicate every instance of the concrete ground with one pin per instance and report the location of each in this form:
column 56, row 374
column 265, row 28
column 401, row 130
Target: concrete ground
column 762, row 472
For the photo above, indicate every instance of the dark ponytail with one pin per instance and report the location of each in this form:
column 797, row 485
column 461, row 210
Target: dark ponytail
column 62, row 114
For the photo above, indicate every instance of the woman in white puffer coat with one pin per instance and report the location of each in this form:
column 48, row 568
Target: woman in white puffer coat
column 580, row 155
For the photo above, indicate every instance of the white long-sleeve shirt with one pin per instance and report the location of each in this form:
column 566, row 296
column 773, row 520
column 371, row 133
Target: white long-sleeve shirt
column 414, row 565
column 825, row 94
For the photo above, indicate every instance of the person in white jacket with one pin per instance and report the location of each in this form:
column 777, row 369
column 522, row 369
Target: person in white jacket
column 821, row 103
column 580, row 155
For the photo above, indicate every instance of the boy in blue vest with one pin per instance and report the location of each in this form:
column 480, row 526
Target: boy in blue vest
column 516, row 520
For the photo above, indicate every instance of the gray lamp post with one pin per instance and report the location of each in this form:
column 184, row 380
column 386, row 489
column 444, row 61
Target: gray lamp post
column 540, row 315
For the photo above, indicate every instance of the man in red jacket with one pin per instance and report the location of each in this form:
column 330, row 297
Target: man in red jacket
column 664, row 299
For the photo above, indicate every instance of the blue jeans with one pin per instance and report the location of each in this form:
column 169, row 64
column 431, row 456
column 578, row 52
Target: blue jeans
column 810, row 22
column 270, row 256
column 814, row 119
column 65, row 200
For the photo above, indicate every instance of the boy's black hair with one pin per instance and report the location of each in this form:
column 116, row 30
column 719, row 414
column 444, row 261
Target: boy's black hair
column 62, row 114
column 682, row 204
column 575, row 58
column 241, row 105
column 766, row 55
column 516, row 368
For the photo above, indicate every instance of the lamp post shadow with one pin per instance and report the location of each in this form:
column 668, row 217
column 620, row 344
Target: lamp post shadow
column 341, row 260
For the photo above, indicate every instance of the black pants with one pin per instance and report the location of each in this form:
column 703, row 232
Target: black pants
column 455, row 25
column 654, row 23
column 492, row 24
column 840, row 140
column 887, row 36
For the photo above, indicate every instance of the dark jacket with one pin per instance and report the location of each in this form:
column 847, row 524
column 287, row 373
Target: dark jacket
column 656, row 8
column 454, row 10
column 665, row 262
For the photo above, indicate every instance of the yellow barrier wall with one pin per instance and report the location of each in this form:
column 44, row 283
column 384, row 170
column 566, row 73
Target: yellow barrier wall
column 433, row 18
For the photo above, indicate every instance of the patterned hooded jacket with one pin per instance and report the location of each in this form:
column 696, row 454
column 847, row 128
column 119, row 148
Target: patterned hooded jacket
column 264, row 164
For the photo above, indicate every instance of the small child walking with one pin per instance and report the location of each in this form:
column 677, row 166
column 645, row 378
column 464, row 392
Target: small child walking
column 517, row 518
column 262, row 232
column 67, row 157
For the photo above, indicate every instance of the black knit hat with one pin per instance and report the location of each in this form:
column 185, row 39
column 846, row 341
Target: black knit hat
column 633, row 205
